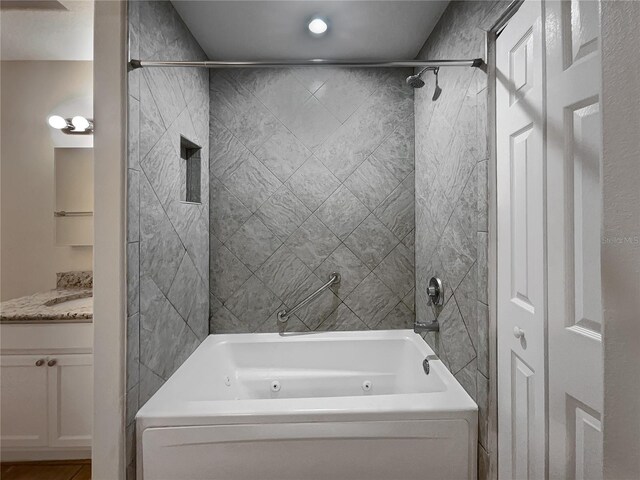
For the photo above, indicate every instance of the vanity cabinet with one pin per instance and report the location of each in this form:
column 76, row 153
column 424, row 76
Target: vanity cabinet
column 46, row 399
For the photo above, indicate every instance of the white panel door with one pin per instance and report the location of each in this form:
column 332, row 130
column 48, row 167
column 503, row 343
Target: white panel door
column 573, row 231
column 23, row 400
column 70, row 400
column 521, row 294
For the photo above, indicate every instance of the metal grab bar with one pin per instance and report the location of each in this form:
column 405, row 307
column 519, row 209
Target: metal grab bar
column 283, row 315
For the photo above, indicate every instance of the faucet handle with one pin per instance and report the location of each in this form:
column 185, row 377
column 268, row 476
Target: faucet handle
column 435, row 292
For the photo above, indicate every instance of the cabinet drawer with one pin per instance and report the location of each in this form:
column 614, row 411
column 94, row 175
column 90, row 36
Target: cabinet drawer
column 47, row 337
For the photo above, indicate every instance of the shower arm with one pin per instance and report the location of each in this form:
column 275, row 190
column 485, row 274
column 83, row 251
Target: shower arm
column 474, row 62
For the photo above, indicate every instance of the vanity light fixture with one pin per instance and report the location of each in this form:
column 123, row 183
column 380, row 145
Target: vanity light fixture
column 77, row 125
column 318, row 26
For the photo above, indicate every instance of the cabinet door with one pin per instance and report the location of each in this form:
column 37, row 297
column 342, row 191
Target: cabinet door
column 23, row 400
column 70, row 400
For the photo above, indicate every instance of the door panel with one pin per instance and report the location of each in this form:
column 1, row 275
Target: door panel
column 70, row 401
column 574, row 223
column 23, row 401
column 520, row 198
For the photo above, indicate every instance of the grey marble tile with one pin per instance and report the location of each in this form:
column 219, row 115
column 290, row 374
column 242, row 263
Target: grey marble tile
column 466, row 298
column 455, row 253
column 397, row 212
column 165, row 89
column 283, row 153
column 226, row 152
column 165, row 339
column 198, row 319
column 466, row 210
column 397, row 270
column 252, row 183
column 363, row 132
column 410, row 300
column 396, row 152
column 150, row 382
column 342, row 212
column 280, row 91
column 314, row 313
column 371, row 183
column 466, row 125
column 162, row 168
column 455, row 171
column 313, row 77
column 351, row 269
column 312, row 242
column 409, row 241
column 409, row 183
column 197, row 244
column 372, row 300
column 132, row 404
column 226, row 272
column 253, row 243
column 312, row 183
column 133, row 134
column 311, row 123
column 484, row 462
column 483, row 338
column 467, row 378
column 181, row 293
column 253, row 303
column 347, row 89
column 133, row 278
column 483, row 197
column 226, row 214
column 483, row 272
column 399, row 317
column 455, row 337
column 283, row 213
column 371, row 241
column 133, row 205
column 160, row 248
column 482, row 400
column 482, row 113
column 283, row 274
column 159, row 25
column 223, row 321
column 241, row 112
column 133, row 351
column 342, row 318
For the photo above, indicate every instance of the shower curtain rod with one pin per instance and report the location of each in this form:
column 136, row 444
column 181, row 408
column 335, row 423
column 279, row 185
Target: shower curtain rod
column 474, row 62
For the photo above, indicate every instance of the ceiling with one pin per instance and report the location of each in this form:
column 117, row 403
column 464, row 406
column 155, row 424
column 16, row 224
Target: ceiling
column 46, row 30
column 277, row 30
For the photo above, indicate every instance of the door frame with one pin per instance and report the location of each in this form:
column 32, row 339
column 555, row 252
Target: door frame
column 492, row 32
column 109, row 261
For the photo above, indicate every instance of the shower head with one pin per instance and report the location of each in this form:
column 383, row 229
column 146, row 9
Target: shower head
column 415, row 81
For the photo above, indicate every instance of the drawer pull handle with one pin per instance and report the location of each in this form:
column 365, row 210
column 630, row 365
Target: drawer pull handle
column 40, row 362
column 52, row 363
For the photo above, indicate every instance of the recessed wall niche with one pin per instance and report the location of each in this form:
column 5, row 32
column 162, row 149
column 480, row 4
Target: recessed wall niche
column 190, row 171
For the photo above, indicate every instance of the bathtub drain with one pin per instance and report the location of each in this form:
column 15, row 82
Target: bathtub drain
column 275, row 386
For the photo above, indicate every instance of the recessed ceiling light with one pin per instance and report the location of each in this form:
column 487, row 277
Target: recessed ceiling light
column 317, row 26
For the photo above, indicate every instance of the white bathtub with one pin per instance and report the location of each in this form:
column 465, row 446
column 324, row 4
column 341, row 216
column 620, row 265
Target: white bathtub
column 339, row 405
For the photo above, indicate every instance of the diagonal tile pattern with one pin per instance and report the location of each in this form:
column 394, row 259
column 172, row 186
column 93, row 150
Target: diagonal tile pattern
column 168, row 249
column 297, row 192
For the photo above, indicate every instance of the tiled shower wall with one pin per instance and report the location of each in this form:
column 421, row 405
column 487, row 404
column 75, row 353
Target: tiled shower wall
column 451, row 203
column 168, row 241
column 311, row 172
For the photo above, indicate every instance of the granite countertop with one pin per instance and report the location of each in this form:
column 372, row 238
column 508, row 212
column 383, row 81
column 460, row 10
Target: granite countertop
column 73, row 305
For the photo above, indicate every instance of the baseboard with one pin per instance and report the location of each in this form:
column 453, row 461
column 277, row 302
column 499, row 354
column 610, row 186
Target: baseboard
column 35, row 455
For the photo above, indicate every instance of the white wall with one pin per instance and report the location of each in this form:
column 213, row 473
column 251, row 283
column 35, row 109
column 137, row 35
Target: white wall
column 30, row 91
column 621, row 238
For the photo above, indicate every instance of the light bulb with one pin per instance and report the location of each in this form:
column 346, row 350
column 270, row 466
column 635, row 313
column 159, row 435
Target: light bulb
column 80, row 123
column 317, row 26
column 56, row 121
